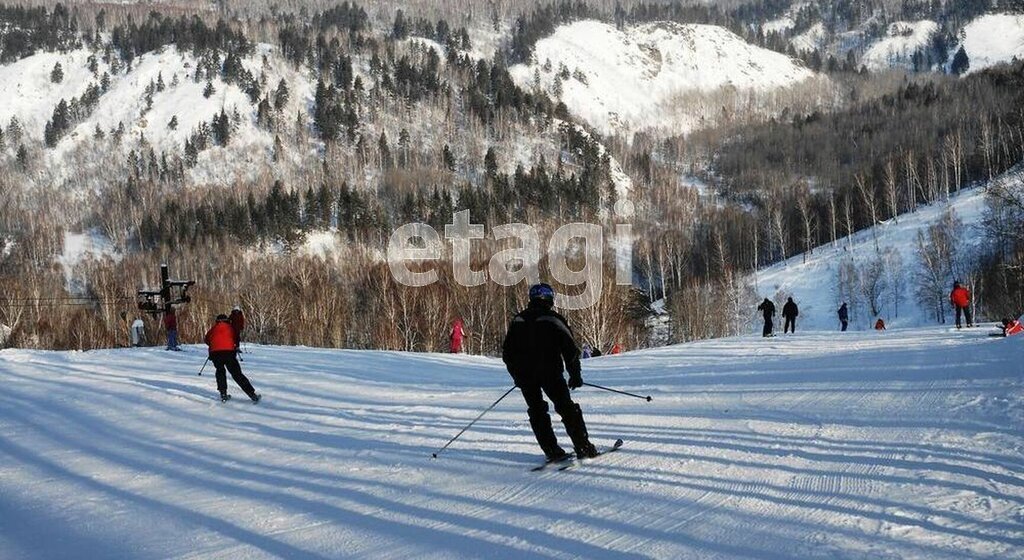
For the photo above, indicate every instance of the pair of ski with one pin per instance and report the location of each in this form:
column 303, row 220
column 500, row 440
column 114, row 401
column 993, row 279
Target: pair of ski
column 570, row 460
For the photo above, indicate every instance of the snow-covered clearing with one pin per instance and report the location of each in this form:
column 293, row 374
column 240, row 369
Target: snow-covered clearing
column 812, row 283
column 992, row 39
column 903, row 40
column 639, row 78
column 902, row 444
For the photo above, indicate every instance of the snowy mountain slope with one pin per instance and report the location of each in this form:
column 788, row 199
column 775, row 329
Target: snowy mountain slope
column 813, row 283
column 624, row 80
column 31, row 97
column 993, row 38
column 891, row 446
column 903, row 40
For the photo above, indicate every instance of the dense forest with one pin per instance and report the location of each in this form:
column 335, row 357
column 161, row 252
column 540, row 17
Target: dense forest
column 398, row 132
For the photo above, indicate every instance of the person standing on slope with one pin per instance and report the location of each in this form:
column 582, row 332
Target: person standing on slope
column 457, row 336
column 238, row 323
column 960, row 297
column 538, row 346
column 171, row 326
column 222, row 340
column 790, row 313
column 768, row 309
column 844, row 316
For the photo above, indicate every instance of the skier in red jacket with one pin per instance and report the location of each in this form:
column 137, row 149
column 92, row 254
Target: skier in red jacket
column 960, row 297
column 222, row 340
column 457, row 336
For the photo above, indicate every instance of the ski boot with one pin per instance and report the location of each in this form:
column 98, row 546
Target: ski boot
column 256, row 398
column 224, row 397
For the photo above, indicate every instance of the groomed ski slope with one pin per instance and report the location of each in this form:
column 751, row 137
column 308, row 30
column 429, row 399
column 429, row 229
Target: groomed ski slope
column 905, row 444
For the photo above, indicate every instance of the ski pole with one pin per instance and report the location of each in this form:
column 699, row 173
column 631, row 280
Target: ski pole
column 647, row 398
column 204, row 365
column 501, row 398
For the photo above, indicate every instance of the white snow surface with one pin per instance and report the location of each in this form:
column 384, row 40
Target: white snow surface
column 633, row 75
column 992, row 39
column 900, row 445
column 812, row 39
column 812, row 283
column 79, row 247
column 903, row 39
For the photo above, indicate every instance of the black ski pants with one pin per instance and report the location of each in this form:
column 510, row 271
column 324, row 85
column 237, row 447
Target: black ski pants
column 790, row 325
column 537, row 408
column 966, row 311
column 228, row 360
column 767, row 327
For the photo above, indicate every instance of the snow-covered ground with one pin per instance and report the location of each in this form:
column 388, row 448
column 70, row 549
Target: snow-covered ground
column 813, row 283
column 902, row 41
column 634, row 79
column 992, row 39
column 905, row 444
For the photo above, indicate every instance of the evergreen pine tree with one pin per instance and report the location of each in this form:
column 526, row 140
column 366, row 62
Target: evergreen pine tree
column 281, row 95
column 961, row 63
column 173, row 124
column 448, row 158
column 209, row 90
column 22, row 157
column 57, row 74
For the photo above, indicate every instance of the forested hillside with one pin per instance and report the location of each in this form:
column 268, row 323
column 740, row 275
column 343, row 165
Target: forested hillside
column 268, row 151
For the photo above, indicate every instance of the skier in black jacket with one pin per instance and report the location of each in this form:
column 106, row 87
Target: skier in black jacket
column 768, row 308
column 844, row 316
column 790, row 313
column 539, row 344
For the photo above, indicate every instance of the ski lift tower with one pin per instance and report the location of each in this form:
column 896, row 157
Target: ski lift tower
column 171, row 293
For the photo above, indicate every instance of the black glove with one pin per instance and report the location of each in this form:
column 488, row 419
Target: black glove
column 575, row 380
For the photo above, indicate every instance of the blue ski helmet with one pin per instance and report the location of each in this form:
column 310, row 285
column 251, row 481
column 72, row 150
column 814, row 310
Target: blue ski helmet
column 542, row 292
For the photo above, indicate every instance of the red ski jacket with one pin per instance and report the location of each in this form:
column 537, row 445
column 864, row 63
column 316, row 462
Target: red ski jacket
column 960, row 296
column 221, row 337
column 170, row 321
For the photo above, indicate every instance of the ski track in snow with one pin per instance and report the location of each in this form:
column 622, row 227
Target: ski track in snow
column 902, row 444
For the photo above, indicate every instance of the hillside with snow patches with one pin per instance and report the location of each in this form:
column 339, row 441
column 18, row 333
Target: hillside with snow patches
column 628, row 80
column 992, row 39
column 905, row 444
column 903, row 40
column 30, row 96
column 811, row 279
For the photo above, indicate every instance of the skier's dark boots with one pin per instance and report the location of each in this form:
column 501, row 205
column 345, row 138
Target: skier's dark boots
column 577, row 430
column 256, row 398
column 224, row 397
column 540, row 421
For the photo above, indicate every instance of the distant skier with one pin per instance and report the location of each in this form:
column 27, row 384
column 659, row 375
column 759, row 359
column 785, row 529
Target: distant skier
column 222, row 340
column 171, row 326
column 616, row 349
column 138, row 332
column 768, row 309
column 456, row 337
column 538, row 346
column 238, row 323
column 790, row 313
column 587, row 351
column 960, row 297
column 844, row 316
column 879, row 324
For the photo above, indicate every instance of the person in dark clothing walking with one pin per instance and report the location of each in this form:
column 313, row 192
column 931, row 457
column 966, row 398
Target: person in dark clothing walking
column 768, row 308
column 844, row 316
column 538, row 346
column 222, row 340
column 790, row 312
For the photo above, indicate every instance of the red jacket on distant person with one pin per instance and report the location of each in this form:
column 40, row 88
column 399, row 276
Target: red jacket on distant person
column 458, row 334
column 170, row 321
column 221, row 337
column 960, row 296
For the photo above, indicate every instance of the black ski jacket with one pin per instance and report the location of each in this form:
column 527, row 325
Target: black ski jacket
column 768, row 308
column 790, row 310
column 538, row 346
